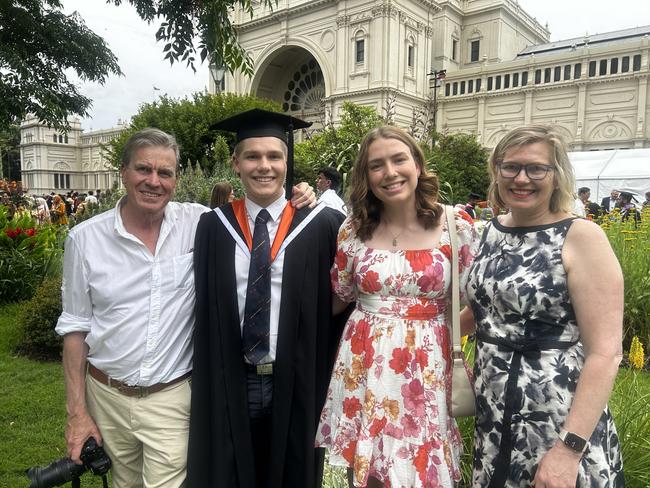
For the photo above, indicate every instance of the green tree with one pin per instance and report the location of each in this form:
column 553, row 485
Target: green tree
column 335, row 146
column 39, row 44
column 206, row 20
column 461, row 165
column 10, row 153
column 189, row 120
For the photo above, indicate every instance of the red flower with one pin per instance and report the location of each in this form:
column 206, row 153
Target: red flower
column 421, row 461
column 341, row 259
column 401, row 360
column 370, row 282
column 348, row 452
column 431, row 279
column 419, row 260
column 465, row 216
column 464, row 257
column 361, row 337
column 424, row 308
column 377, row 426
column 351, row 406
column 10, row 233
column 421, row 357
column 30, row 232
column 446, row 250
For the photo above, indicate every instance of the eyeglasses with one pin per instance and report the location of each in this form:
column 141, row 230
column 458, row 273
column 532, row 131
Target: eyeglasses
column 533, row 171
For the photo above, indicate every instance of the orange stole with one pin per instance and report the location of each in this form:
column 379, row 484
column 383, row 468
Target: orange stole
column 239, row 207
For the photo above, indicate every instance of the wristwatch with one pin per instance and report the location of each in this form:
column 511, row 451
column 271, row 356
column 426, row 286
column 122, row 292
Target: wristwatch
column 573, row 441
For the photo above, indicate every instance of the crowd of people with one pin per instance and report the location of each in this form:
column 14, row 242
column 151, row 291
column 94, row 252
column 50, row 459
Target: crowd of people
column 250, row 336
column 54, row 208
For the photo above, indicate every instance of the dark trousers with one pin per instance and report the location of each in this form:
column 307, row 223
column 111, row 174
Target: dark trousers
column 260, row 403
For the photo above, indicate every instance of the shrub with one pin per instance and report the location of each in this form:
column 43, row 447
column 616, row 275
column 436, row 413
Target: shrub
column 28, row 253
column 36, row 322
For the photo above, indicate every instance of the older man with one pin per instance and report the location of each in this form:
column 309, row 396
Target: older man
column 127, row 321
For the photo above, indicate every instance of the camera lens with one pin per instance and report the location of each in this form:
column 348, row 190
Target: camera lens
column 56, row 474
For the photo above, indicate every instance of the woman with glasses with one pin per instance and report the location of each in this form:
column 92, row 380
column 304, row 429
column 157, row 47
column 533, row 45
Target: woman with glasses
column 546, row 294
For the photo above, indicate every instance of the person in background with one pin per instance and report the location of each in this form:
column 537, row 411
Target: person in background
column 58, row 212
column 222, row 193
column 471, row 205
column 328, row 184
column 646, row 203
column 386, row 418
column 42, row 211
column 591, row 210
column 546, row 296
column 91, row 199
column 626, row 202
column 610, row 203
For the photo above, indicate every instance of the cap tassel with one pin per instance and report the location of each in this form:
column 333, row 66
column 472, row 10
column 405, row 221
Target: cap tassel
column 289, row 179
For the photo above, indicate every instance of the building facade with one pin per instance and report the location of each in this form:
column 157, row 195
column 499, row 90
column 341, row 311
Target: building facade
column 52, row 161
column 501, row 69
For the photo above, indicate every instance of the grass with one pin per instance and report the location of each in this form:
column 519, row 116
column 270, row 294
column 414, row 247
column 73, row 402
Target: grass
column 32, row 417
column 32, row 410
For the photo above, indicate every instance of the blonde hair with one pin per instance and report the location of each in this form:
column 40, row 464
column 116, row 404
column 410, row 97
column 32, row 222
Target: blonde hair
column 562, row 199
column 367, row 208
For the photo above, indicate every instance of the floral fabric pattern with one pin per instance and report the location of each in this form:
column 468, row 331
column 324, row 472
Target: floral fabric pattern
column 386, row 411
column 518, row 291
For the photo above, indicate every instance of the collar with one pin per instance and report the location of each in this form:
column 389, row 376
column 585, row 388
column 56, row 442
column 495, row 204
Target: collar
column 168, row 218
column 275, row 209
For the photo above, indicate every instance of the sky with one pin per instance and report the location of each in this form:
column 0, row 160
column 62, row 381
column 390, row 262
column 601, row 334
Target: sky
column 141, row 58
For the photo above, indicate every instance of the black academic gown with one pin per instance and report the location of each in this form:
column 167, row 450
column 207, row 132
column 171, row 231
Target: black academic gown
column 220, row 448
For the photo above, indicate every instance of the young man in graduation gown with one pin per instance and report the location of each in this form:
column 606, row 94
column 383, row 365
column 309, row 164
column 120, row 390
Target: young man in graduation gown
column 264, row 338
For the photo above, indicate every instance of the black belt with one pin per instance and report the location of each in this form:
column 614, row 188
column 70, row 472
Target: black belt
column 260, row 369
column 530, row 349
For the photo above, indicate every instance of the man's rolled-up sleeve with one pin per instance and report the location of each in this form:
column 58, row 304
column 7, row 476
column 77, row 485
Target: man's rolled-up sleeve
column 75, row 291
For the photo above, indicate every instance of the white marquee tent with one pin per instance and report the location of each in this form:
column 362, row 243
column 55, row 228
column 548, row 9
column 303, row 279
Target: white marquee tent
column 615, row 169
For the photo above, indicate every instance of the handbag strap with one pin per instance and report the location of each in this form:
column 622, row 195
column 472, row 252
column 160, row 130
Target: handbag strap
column 455, row 284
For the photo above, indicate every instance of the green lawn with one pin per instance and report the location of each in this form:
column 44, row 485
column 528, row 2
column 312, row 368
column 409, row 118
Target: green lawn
column 32, row 416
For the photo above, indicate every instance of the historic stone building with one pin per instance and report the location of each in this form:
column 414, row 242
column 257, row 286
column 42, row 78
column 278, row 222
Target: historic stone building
column 55, row 162
column 501, row 69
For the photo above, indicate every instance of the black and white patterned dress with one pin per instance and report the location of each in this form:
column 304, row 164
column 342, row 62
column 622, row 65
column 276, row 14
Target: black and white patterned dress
column 528, row 359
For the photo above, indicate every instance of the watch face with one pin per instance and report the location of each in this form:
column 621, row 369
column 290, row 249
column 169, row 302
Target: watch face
column 574, row 442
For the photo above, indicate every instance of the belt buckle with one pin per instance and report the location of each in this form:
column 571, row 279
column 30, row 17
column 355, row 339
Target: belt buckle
column 139, row 391
column 264, row 369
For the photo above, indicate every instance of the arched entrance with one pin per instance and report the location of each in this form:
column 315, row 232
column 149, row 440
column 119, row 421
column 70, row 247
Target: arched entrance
column 293, row 77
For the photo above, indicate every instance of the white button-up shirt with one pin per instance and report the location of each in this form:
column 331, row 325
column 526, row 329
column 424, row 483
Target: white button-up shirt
column 331, row 199
column 136, row 308
column 242, row 265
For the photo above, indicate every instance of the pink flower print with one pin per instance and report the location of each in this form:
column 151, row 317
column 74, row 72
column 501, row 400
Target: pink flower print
column 464, row 257
column 351, row 406
column 413, row 395
column 411, row 427
column 431, row 279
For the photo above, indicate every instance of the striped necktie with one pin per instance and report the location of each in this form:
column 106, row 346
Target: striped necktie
column 257, row 311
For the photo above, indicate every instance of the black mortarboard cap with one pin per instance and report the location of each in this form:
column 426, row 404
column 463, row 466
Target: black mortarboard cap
column 629, row 195
column 262, row 123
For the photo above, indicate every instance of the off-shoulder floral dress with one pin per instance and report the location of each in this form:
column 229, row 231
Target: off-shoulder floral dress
column 386, row 410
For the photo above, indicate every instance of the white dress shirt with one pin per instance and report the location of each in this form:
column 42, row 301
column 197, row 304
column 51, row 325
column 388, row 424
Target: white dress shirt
column 136, row 308
column 332, row 200
column 242, row 264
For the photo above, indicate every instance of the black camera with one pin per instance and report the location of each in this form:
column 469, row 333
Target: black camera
column 63, row 470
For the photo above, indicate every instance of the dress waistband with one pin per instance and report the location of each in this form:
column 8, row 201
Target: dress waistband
column 405, row 308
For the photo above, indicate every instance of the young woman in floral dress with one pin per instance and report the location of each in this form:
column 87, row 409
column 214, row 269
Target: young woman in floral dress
column 386, row 415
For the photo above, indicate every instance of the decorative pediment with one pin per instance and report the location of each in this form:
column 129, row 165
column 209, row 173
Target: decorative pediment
column 62, row 165
column 610, row 129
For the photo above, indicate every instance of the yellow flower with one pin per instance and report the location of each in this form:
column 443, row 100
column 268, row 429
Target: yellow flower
column 636, row 355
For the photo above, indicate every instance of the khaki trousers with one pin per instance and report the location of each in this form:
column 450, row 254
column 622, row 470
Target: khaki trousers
column 146, row 438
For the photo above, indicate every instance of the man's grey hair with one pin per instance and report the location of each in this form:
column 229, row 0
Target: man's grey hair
column 147, row 138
